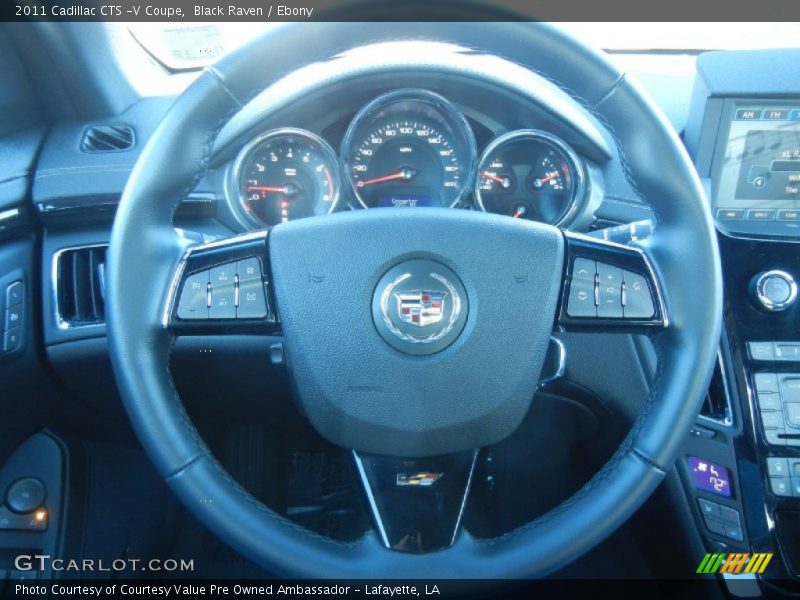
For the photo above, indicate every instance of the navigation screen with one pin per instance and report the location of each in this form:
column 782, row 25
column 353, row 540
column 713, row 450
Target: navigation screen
column 770, row 165
column 758, row 177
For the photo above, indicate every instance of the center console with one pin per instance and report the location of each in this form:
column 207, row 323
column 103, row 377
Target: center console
column 744, row 135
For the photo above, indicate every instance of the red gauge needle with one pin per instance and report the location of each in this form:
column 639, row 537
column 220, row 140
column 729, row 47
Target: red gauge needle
column 405, row 174
column 266, row 189
column 540, row 181
column 521, row 210
column 504, row 182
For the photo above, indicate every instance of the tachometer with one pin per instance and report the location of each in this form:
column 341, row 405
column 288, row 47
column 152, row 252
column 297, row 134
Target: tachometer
column 409, row 148
column 286, row 174
column 530, row 174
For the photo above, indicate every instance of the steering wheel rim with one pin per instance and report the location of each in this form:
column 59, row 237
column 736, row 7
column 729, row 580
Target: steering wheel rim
column 143, row 254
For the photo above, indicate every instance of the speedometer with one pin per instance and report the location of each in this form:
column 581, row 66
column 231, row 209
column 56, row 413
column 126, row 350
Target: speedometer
column 407, row 149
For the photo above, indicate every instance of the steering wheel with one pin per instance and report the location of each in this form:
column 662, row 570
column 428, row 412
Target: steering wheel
column 415, row 402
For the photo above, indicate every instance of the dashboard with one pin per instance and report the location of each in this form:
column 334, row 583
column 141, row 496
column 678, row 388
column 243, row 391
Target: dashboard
column 404, row 149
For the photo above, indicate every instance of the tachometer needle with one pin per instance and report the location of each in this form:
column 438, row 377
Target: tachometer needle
column 405, row 174
column 520, row 211
column 504, row 182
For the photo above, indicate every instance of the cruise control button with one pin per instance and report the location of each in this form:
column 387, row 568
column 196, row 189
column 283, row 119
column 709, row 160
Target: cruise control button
column 12, row 339
column 584, row 269
column 14, row 294
column 781, row 486
column 249, row 268
column 581, row 299
column 193, row 302
column 778, row 467
column 223, row 293
column 13, row 317
column 252, row 302
column 766, row 382
column 638, row 300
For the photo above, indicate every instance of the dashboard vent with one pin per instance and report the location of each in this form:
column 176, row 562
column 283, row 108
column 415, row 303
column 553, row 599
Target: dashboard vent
column 80, row 286
column 717, row 404
column 108, row 138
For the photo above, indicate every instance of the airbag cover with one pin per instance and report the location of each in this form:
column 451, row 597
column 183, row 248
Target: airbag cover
column 360, row 391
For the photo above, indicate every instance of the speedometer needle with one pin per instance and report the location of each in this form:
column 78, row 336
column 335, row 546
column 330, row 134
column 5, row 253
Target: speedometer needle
column 540, row 181
column 405, row 174
column 267, row 189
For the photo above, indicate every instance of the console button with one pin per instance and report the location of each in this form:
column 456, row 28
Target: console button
column 760, row 214
column 766, row 382
column 12, row 339
column 778, row 467
column 790, row 389
column 730, row 214
column 252, row 302
column 248, row 269
column 781, row 486
column 25, row 495
column 761, row 350
column 773, row 437
column 223, row 280
column 638, row 301
column 708, row 508
column 793, row 414
column 734, row 532
column 584, row 269
column 193, row 302
column 36, row 521
column 789, row 215
column 787, row 352
column 581, row 299
column 794, row 467
column 772, row 419
column 715, row 526
column 769, row 401
column 729, row 515
column 14, row 294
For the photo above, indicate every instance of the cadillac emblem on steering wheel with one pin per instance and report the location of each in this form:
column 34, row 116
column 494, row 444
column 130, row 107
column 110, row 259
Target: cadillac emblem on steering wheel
column 419, row 306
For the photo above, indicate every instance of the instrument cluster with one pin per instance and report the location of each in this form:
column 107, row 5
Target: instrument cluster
column 405, row 149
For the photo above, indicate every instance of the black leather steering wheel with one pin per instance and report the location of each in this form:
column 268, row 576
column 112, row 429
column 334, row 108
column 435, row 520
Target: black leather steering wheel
column 326, row 272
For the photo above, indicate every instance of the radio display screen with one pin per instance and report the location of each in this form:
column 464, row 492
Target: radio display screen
column 758, row 179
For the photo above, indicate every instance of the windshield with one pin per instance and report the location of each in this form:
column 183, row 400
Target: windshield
column 193, row 46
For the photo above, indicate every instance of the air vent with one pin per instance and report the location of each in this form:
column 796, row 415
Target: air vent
column 108, row 138
column 717, row 405
column 79, row 281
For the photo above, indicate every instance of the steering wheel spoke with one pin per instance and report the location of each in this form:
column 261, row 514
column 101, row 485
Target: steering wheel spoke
column 223, row 288
column 417, row 503
column 609, row 287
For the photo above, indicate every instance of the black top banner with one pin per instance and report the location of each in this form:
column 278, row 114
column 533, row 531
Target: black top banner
column 393, row 10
